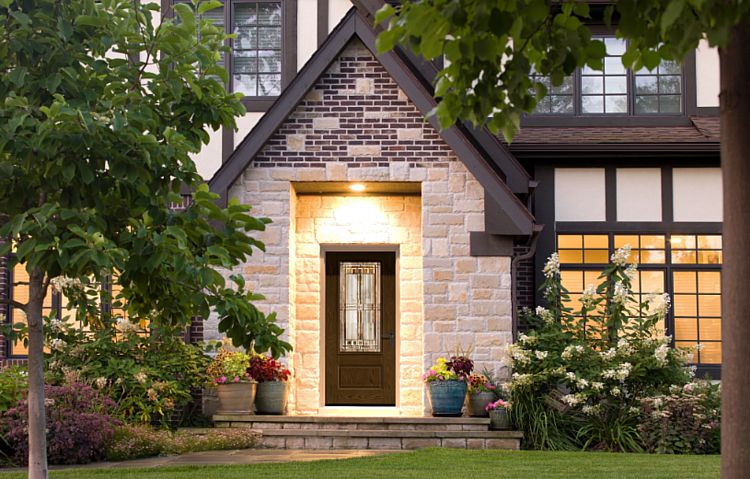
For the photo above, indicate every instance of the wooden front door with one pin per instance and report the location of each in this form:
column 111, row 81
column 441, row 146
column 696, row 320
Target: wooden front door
column 360, row 322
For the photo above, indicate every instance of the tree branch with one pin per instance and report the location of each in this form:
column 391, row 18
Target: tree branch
column 14, row 303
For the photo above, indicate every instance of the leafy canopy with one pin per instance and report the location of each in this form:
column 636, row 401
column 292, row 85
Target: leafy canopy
column 492, row 47
column 103, row 103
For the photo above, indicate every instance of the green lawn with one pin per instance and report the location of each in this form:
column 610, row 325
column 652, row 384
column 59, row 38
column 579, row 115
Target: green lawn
column 439, row 464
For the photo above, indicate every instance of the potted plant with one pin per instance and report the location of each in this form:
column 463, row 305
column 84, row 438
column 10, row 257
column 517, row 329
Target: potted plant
column 481, row 393
column 446, row 381
column 234, row 386
column 498, row 412
column 272, row 377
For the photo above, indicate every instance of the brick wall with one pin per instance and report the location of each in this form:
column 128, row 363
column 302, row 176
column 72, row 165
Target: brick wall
column 355, row 124
column 4, row 291
column 525, row 288
column 357, row 115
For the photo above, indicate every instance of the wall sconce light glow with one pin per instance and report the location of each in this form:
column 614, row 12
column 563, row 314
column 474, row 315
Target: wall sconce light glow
column 357, row 187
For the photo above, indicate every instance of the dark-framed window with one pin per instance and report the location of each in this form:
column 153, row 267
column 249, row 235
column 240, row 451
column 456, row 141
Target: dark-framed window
column 16, row 281
column 669, row 252
column 615, row 90
column 686, row 266
column 263, row 57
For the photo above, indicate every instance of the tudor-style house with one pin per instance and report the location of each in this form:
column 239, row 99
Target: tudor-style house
column 393, row 242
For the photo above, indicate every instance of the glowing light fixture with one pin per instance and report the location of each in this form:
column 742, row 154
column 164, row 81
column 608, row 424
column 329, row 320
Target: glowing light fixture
column 357, row 187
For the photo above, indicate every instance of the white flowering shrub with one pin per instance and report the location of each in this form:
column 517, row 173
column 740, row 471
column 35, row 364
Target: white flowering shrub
column 579, row 376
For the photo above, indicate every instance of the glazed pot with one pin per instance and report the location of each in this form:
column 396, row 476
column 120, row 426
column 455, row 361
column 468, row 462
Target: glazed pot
column 271, row 397
column 478, row 401
column 499, row 419
column 447, row 397
column 236, row 398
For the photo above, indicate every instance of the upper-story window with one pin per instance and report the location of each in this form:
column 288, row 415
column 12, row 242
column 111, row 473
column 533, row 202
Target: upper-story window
column 615, row 90
column 256, row 53
column 263, row 50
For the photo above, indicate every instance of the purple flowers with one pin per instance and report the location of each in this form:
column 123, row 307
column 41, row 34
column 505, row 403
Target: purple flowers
column 78, row 425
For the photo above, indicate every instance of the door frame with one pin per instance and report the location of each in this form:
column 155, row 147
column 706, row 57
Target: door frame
column 354, row 248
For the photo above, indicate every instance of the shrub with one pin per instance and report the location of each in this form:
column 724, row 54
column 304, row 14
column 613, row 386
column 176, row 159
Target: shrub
column 78, row 425
column 13, row 383
column 685, row 421
column 580, row 374
column 136, row 441
column 150, row 376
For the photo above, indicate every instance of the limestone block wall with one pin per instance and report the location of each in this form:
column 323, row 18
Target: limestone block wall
column 359, row 220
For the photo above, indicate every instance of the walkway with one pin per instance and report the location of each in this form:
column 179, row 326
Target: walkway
column 241, row 456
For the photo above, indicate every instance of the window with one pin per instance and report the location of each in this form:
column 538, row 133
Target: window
column 55, row 304
column 688, row 267
column 264, row 51
column 256, row 54
column 615, row 90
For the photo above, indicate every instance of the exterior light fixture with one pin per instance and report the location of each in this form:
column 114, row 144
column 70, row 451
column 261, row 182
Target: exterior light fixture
column 357, row 187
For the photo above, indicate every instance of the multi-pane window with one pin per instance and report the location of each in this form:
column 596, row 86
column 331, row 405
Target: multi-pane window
column 257, row 48
column 606, row 91
column 559, row 99
column 615, row 90
column 659, row 90
column 688, row 267
column 697, row 313
column 56, row 305
column 256, row 52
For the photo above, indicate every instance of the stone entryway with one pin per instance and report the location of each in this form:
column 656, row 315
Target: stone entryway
column 393, row 433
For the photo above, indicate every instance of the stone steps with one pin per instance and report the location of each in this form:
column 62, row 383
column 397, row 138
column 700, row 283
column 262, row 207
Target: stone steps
column 393, row 433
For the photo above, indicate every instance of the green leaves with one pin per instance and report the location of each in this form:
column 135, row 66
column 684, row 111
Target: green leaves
column 493, row 47
column 94, row 148
column 17, row 75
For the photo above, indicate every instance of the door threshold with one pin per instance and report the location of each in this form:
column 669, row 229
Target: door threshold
column 360, row 411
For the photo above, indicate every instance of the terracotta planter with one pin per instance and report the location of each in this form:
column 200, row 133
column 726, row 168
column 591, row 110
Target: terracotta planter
column 236, row 398
column 447, row 397
column 499, row 419
column 477, row 403
column 271, row 397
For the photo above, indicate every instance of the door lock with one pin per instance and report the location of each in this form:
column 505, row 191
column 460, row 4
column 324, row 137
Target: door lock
column 389, row 337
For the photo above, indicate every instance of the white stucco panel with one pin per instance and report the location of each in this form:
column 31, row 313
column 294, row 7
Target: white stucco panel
column 336, row 11
column 707, row 75
column 697, row 194
column 208, row 160
column 245, row 124
column 639, row 194
column 307, row 30
column 580, row 194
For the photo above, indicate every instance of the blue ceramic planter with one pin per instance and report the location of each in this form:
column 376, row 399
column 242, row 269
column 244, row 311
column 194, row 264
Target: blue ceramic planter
column 447, row 397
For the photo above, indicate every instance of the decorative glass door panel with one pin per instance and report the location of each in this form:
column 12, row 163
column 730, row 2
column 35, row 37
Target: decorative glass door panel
column 359, row 308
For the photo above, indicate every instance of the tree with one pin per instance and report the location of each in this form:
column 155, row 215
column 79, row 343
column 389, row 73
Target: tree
column 492, row 47
column 102, row 106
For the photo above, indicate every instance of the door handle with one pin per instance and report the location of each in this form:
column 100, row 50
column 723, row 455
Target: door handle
column 390, row 336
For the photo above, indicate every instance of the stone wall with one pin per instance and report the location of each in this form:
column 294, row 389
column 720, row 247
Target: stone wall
column 357, row 125
column 361, row 220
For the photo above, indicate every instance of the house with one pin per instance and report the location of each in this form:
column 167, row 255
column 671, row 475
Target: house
column 394, row 243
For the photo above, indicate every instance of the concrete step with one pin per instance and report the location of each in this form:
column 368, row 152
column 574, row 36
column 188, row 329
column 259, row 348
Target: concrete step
column 363, row 439
column 316, row 432
column 346, row 422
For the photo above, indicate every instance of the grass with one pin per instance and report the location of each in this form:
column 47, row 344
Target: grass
column 438, row 464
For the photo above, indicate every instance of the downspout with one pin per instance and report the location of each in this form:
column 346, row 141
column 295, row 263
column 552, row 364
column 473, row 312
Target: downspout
column 516, row 259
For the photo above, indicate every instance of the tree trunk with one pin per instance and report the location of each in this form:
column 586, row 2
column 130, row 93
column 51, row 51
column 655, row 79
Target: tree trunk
column 735, row 330
column 37, row 418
